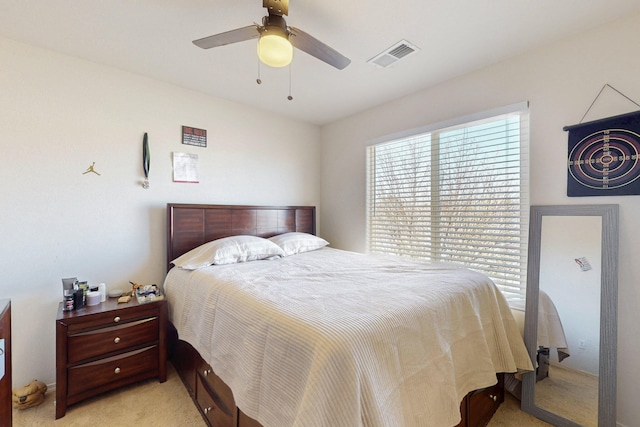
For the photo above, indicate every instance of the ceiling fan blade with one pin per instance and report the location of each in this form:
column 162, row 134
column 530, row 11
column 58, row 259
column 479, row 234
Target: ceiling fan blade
column 315, row 47
column 233, row 36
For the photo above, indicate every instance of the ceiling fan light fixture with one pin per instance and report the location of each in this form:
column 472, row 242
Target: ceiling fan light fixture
column 276, row 39
column 274, row 49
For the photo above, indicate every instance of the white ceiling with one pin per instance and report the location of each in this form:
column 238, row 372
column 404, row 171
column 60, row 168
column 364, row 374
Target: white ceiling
column 153, row 38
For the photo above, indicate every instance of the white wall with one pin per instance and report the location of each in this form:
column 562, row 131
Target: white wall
column 57, row 116
column 560, row 81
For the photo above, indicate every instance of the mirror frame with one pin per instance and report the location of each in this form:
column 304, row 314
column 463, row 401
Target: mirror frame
column 608, row 310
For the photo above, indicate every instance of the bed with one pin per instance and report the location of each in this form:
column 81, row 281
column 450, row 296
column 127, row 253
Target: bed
column 328, row 337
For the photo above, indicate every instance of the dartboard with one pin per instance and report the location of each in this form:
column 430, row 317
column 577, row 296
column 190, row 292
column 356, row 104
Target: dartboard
column 604, row 157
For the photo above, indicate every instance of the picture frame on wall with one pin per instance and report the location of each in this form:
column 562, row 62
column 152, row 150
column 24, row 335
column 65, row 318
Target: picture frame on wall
column 194, row 136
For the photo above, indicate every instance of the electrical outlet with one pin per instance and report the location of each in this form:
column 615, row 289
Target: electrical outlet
column 582, row 344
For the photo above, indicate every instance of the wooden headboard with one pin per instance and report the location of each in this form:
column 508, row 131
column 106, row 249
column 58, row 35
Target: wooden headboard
column 189, row 226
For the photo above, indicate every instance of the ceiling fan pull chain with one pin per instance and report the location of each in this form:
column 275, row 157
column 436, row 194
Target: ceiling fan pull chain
column 290, row 97
column 258, row 80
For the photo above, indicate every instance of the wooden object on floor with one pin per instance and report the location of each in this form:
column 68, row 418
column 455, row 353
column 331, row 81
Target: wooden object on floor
column 106, row 346
column 6, row 418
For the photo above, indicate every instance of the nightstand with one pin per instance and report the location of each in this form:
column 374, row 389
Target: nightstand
column 106, row 346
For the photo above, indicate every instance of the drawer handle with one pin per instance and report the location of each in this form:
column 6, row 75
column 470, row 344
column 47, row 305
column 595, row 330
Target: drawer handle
column 206, row 372
column 207, row 410
column 494, row 398
column 116, row 319
column 116, row 340
column 116, row 371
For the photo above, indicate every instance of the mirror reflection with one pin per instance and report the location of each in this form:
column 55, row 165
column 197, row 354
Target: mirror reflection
column 569, row 317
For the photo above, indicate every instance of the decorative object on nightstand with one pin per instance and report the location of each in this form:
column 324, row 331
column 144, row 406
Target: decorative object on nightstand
column 147, row 293
column 106, row 346
column 115, row 293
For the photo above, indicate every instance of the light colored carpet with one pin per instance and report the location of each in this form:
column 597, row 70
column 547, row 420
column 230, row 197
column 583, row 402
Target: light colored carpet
column 567, row 392
column 509, row 415
column 150, row 403
column 571, row 393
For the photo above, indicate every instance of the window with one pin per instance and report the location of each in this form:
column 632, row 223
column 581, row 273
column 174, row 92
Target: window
column 456, row 194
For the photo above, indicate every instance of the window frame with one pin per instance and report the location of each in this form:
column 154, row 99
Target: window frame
column 513, row 292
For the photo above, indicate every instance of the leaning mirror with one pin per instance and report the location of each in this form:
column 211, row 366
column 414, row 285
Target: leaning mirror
column 571, row 315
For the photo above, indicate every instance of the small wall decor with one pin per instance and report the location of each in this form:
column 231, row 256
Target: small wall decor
column 185, row 167
column 91, row 169
column 194, row 136
column 146, row 161
column 604, row 155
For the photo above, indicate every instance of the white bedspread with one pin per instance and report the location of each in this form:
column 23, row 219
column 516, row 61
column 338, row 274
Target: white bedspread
column 335, row 338
column 550, row 330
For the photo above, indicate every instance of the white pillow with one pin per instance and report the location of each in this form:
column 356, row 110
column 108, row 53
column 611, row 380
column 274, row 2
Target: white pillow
column 295, row 242
column 228, row 250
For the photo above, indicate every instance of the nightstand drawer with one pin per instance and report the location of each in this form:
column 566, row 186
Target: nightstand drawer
column 86, row 345
column 104, row 319
column 106, row 374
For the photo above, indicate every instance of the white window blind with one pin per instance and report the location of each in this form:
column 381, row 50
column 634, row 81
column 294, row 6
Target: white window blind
column 457, row 194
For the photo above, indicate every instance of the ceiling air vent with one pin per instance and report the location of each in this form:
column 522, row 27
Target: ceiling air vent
column 394, row 54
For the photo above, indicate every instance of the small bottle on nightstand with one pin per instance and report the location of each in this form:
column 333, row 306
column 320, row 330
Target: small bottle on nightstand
column 68, row 300
column 102, row 288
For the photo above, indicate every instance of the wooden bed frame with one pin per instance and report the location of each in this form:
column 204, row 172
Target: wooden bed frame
column 189, row 226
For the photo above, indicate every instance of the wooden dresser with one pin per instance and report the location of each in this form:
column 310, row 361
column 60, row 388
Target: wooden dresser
column 106, row 346
column 5, row 360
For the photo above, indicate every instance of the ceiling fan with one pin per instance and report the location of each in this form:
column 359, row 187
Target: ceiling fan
column 276, row 39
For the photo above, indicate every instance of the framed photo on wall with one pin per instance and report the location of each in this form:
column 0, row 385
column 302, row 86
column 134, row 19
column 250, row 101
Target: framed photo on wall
column 604, row 157
column 194, row 136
